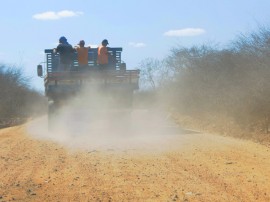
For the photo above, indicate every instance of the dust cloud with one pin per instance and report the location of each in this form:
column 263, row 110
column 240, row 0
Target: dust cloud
column 95, row 121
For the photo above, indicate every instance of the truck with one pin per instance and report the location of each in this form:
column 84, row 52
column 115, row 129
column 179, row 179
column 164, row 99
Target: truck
column 116, row 83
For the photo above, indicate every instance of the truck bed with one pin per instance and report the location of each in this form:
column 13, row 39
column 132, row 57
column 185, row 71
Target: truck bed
column 59, row 83
column 68, row 81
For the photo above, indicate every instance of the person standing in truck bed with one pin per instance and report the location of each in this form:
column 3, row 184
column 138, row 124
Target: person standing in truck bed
column 65, row 51
column 82, row 55
column 103, row 55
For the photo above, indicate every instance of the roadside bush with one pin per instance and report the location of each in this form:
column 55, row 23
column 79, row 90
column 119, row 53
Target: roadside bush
column 233, row 82
column 17, row 99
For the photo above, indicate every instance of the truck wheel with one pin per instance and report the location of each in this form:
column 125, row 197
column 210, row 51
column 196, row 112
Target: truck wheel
column 128, row 99
column 51, row 116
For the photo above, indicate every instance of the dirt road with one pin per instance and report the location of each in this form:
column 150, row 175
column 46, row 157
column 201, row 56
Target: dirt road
column 174, row 166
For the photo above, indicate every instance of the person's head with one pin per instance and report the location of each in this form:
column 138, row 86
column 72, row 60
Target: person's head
column 105, row 42
column 81, row 43
column 62, row 39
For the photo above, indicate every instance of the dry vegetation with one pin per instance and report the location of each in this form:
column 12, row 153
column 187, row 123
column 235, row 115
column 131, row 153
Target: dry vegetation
column 18, row 101
column 223, row 90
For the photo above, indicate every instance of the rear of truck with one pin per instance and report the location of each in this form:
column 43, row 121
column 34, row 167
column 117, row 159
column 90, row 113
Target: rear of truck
column 116, row 83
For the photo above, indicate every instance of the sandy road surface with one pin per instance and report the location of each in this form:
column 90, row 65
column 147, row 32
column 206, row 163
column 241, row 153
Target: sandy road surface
column 173, row 166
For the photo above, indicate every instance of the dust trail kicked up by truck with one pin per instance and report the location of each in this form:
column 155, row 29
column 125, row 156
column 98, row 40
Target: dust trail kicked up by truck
column 92, row 124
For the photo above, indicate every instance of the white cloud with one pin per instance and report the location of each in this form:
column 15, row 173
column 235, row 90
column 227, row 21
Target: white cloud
column 51, row 15
column 137, row 45
column 185, row 32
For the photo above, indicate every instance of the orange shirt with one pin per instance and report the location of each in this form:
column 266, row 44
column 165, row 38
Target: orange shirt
column 102, row 55
column 82, row 55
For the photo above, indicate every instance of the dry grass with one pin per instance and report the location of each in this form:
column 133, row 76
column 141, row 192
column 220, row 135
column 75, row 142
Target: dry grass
column 223, row 126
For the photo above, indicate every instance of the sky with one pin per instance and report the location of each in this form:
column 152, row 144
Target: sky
column 143, row 28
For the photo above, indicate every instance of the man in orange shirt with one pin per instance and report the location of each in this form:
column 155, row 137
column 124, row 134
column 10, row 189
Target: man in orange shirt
column 82, row 55
column 103, row 55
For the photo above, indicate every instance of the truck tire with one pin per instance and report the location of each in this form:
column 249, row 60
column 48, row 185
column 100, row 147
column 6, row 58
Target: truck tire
column 51, row 116
column 128, row 99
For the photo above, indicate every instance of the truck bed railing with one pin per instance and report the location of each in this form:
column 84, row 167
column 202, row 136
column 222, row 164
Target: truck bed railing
column 114, row 59
column 105, row 76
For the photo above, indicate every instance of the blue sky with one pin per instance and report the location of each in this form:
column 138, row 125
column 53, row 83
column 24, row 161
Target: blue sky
column 144, row 28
